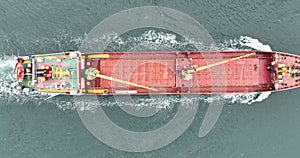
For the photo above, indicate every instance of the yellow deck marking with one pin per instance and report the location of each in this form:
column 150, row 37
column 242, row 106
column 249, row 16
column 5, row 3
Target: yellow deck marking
column 220, row 63
column 99, row 91
column 27, row 62
column 98, row 56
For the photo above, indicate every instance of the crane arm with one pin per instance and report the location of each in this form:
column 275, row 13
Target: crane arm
column 219, row 63
column 97, row 74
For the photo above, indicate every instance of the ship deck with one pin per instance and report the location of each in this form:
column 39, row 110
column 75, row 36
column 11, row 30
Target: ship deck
column 63, row 75
column 78, row 73
column 159, row 70
column 67, row 64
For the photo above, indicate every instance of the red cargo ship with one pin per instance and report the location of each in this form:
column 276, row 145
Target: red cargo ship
column 77, row 73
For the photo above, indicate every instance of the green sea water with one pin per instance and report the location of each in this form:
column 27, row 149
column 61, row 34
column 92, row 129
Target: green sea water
column 42, row 126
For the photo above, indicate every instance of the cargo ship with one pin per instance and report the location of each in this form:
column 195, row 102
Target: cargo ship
column 117, row 73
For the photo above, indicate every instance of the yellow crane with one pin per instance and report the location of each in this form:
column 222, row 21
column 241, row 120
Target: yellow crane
column 93, row 73
column 188, row 74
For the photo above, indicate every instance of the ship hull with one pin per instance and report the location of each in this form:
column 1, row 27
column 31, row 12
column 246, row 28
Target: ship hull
column 159, row 72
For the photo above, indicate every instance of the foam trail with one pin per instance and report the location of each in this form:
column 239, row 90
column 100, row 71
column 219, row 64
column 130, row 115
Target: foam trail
column 8, row 91
column 254, row 43
column 6, row 77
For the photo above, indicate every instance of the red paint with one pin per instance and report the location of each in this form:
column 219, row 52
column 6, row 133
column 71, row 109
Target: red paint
column 159, row 70
column 164, row 71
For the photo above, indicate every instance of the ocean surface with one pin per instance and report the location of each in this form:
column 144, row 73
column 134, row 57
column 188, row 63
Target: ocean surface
column 48, row 126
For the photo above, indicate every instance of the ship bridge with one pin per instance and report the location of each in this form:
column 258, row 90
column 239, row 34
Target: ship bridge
column 54, row 73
